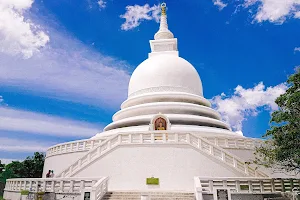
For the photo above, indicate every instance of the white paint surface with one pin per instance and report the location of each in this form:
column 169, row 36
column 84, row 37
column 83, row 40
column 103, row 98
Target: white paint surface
column 128, row 167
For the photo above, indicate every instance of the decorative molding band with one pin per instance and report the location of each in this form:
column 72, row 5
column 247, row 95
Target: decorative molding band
column 162, row 89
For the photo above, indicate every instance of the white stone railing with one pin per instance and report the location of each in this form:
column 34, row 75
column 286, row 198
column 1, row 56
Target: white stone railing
column 88, row 144
column 197, row 142
column 252, row 185
column 57, row 185
column 234, row 143
column 99, row 189
column 75, row 146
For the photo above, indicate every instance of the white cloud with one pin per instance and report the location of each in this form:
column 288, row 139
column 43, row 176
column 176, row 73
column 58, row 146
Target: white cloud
column 297, row 49
column 134, row 15
column 31, row 122
column 8, row 160
column 247, row 102
column 18, row 35
column 220, row 4
column 14, row 145
column 68, row 70
column 275, row 11
column 102, row 4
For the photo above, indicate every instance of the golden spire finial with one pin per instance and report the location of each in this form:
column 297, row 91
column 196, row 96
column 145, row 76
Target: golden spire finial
column 163, row 8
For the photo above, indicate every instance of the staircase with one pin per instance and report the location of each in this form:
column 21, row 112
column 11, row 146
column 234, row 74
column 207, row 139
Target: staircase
column 151, row 195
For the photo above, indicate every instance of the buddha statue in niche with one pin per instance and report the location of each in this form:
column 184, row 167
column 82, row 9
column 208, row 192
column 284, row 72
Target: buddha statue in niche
column 160, row 124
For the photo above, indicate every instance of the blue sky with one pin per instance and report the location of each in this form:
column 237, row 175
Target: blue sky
column 65, row 65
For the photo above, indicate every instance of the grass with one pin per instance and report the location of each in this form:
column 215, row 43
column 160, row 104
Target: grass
column 1, row 198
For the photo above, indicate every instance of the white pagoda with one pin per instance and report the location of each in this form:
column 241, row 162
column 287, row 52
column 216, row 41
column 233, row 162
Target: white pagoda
column 166, row 142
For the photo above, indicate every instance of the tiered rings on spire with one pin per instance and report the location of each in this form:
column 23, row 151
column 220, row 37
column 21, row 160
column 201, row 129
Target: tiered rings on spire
column 163, row 32
column 163, row 8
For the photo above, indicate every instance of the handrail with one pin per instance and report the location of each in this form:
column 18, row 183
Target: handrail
column 88, row 144
column 84, row 159
column 234, row 143
column 245, row 184
column 198, row 188
column 225, row 156
column 197, row 142
column 100, row 189
column 61, row 185
column 75, row 146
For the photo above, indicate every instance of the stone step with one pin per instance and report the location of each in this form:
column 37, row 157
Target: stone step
column 150, row 198
column 132, row 195
column 138, row 198
column 154, row 195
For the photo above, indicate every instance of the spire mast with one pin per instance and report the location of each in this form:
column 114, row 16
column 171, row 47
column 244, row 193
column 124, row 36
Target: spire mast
column 164, row 41
column 163, row 9
column 163, row 17
column 163, row 32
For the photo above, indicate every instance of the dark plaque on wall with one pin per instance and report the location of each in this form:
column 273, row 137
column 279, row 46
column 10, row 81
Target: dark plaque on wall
column 222, row 194
column 87, row 196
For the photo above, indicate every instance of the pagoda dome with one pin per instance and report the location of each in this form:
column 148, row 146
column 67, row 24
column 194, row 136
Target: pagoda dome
column 165, row 73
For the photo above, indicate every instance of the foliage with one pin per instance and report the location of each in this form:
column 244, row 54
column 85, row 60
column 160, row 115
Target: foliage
column 2, row 166
column 281, row 150
column 244, row 187
column 24, row 192
column 31, row 167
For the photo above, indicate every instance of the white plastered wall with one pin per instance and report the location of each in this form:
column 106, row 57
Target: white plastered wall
column 248, row 156
column 60, row 162
column 129, row 166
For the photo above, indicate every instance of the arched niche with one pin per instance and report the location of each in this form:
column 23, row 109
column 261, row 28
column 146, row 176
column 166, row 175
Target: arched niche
column 160, row 122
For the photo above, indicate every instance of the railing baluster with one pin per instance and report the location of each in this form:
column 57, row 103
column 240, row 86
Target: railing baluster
column 210, row 150
column 176, row 137
column 200, row 143
column 211, row 185
column 84, row 145
column 222, row 155
column 44, row 186
column 71, row 186
column 92, row 144
column 226, row 143
column 237, row 185
column 250, row 186
column 246, row 169
column 61, row 186
column 71, row 147
column 234, row 163
column 261, row 186
column 129, row 138
column 188, row 139
column 52, row 186
column 152, row 137
column 273, row 185
column 141, row 139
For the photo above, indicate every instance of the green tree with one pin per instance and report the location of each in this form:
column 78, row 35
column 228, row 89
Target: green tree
column 31, row 167
column 281, row 150
column 13, row 170
column 2, row 166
